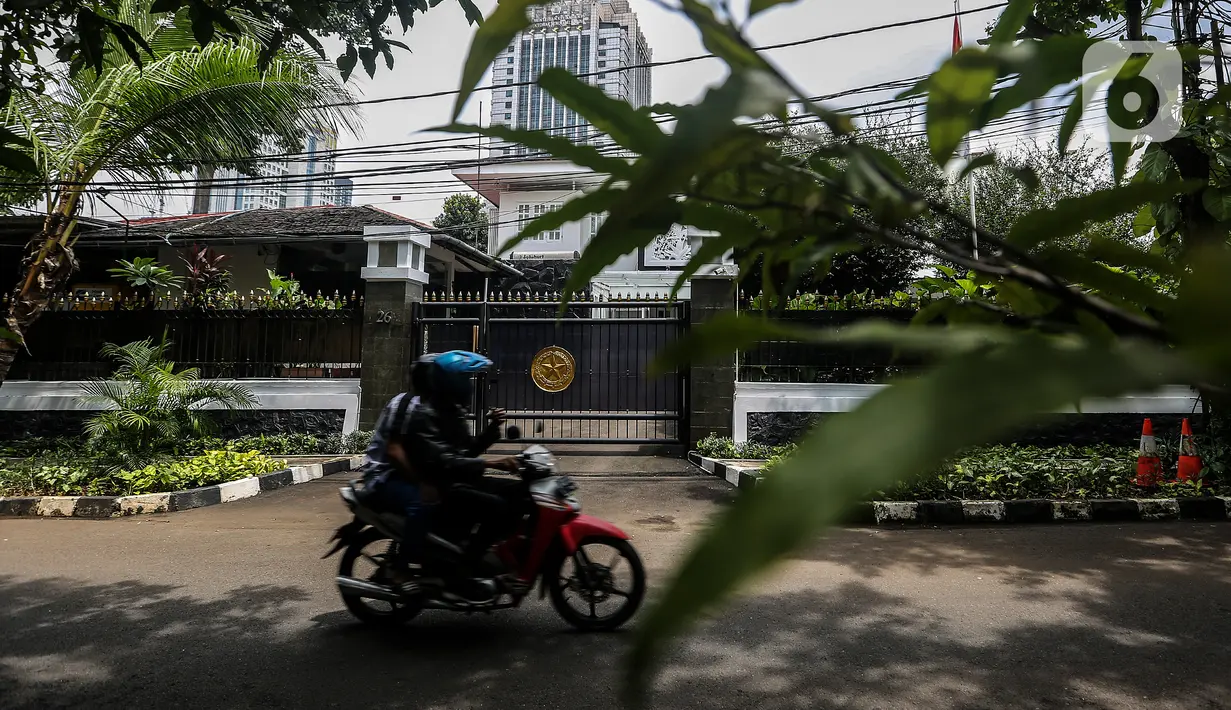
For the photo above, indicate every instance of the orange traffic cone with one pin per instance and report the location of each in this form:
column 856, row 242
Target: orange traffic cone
column 1149, row 468
column 1189, row 466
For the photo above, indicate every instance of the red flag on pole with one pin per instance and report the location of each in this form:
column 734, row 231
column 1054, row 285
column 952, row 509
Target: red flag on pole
column 957, row 33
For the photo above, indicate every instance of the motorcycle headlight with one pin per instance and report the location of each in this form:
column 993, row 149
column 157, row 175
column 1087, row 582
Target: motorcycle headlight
column 540, row 457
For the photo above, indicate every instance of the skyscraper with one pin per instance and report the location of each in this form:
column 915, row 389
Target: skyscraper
column 598, row 40
column 302, row 180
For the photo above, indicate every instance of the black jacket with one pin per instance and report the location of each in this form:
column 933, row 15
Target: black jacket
column 441, row 449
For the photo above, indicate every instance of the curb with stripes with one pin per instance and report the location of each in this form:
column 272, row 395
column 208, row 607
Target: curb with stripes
column 120, row 506
column 746, row 474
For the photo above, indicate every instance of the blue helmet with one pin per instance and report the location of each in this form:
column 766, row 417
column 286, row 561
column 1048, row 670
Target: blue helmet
column 451, row 375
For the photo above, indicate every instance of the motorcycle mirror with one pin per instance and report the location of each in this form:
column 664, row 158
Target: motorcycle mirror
column 513, row 433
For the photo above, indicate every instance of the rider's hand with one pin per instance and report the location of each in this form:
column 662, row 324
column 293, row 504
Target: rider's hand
column 508, row 463
column 495, row 417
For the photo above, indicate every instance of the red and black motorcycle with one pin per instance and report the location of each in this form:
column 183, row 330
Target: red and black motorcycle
column 588, row 566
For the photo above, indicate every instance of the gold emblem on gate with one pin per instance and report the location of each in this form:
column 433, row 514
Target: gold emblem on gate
column 552, row 369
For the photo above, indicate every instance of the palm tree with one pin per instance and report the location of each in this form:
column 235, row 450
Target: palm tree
column 149, row 408
column 187, row 106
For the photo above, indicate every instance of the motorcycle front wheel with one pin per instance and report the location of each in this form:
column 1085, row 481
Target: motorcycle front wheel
column 600, row 586
column 366, row 559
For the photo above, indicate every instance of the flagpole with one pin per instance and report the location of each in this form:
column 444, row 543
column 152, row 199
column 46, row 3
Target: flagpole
column 970, row 175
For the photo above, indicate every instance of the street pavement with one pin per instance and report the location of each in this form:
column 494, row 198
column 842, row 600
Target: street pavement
column 231, row 607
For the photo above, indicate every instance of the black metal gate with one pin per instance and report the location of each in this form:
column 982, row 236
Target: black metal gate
column 581, row 377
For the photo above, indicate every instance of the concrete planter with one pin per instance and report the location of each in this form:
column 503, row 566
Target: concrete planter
column 120, row 506
column 746, row 474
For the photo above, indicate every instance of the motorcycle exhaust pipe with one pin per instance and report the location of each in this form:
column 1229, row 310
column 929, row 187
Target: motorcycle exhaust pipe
column 351, row 587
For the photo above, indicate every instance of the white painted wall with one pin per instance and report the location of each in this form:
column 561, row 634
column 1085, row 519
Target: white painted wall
column 507, row 225
column 342, row 393
column 790, row 397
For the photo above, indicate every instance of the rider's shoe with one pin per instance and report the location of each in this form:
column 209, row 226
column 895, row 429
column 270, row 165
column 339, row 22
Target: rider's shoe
column 471, row 591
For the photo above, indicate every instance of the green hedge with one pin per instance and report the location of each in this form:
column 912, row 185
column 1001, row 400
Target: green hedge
column 272, row 445
column 68, row 474
column 1011, row 472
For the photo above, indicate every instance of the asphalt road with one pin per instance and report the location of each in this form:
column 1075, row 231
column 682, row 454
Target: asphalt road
column 230, row 607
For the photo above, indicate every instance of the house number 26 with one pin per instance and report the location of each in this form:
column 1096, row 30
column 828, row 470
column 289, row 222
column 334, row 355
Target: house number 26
column 384, row 317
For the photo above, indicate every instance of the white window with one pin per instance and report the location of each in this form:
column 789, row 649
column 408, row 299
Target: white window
column 528, row 212
column 593, row 223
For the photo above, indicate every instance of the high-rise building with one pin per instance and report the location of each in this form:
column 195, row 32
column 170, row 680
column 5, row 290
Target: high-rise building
column 343, row 191
column 301, row 180
column 598, row 40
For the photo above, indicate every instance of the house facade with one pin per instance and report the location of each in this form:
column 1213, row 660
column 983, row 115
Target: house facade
column 522, row 191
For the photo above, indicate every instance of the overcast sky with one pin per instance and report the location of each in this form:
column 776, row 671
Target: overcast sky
column 440, row 39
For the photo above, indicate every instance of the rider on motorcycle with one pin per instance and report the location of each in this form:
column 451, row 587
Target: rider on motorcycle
column 440, row 460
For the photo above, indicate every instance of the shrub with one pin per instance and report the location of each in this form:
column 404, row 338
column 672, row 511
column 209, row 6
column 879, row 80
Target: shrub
column 150, row 409
column 36, row 445
column 211, row 468
column 1017, row 472
column 721, row 447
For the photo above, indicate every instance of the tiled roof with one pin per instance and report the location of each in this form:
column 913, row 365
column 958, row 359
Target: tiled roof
column 289, row 222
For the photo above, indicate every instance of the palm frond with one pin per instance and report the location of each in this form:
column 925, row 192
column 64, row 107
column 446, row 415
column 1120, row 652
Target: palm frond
column 109, row 393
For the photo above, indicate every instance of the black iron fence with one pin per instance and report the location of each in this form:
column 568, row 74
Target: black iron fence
column 808, row 362
column 582, row 377
column 236, row 343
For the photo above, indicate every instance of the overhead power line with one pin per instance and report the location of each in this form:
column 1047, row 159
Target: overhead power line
column 683, row 60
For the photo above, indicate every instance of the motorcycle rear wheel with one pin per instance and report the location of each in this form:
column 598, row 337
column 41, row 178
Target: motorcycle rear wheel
column 373, row 611
column 566, row 576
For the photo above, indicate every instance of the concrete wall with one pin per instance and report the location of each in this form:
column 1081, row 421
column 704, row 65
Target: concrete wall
column 271, row 394
column 774, row 413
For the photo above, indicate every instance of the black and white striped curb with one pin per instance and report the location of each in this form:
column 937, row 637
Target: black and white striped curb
column 741, row 474
column 956, row 512
column 119, row 506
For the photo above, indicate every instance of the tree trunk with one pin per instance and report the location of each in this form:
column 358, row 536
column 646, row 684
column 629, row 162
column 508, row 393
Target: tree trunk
column 47, row 267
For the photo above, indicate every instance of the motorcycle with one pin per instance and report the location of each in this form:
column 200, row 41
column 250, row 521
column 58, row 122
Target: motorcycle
column 555, row 546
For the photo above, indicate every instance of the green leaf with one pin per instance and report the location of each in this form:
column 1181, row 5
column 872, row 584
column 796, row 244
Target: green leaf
column 17, row 160
column 961, row 85
column 1143, row 222
column 1217, row 201
column 899, row 432
column 346, row 62
column 1110, row 251
column 1156, row 164
column 1011, row 21
column 367, row 55
column 473, row 14
column 1082, row 95
column 494, row 34
column 981, row 161
column 586, row 156
column 1041, row 66
column 202, row 17
column 1026, row 175
column 6, row 334
column 1070, row 215
column 1201, row 319
column 756, row 7
column 1090, row 274
column 625, row 125
column 722, row 39
column 575, row 209
column 1121, row 152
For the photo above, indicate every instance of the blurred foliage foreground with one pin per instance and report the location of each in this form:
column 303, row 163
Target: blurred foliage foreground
column 1082, row 325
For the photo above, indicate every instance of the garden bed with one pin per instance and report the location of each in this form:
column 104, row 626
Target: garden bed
column 1005, row 484
column 172, row 501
